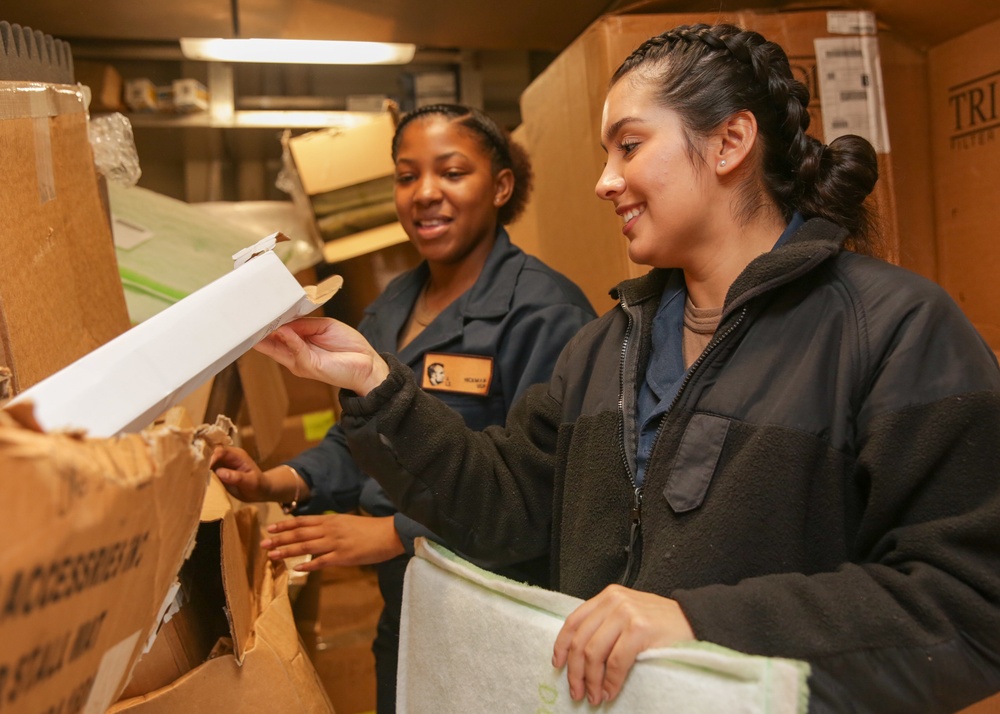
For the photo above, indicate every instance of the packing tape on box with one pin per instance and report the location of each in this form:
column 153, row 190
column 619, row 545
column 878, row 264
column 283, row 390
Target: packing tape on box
column 40, row 102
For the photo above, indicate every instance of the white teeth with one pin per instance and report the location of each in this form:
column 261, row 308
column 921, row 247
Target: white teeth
column 631, row 213
column 433, row 222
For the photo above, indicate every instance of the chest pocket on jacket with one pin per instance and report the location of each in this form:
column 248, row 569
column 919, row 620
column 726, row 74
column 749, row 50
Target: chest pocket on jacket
column 695, row 462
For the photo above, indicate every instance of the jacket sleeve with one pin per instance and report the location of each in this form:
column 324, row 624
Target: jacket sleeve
column 911, row 623
column 488, row 494
column 534, row 344
column 332, row 474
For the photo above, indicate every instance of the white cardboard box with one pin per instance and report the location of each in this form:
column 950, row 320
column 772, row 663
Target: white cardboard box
column 126, row 383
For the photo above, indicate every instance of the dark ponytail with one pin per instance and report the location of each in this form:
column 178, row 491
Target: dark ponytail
column 707, row 73
column 504, row 153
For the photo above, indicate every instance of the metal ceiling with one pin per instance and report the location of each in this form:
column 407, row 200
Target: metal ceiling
column 468, row 24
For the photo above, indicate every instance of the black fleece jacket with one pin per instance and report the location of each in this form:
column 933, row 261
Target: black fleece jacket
column 824, row 488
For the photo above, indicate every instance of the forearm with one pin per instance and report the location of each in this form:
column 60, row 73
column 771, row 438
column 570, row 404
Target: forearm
column 488, row 494
column 287, row 485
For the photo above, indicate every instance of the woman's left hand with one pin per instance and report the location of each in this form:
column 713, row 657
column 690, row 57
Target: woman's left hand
column 600, row 639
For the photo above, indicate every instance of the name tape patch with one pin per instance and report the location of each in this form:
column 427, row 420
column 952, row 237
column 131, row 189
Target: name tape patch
column 461, row 374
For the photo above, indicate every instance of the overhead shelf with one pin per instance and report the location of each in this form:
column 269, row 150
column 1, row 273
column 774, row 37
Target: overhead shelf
column 260, row 119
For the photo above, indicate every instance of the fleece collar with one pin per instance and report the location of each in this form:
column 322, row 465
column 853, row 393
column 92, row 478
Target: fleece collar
column 813, row 243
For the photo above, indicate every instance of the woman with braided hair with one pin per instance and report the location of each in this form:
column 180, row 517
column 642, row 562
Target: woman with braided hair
column 774, row 442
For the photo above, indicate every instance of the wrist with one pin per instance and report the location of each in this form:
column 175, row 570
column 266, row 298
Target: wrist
column 287, row 487
column 379, row 371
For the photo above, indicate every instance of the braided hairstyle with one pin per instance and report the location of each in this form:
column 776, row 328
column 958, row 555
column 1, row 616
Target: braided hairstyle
column 707, row 73
column 504, row 153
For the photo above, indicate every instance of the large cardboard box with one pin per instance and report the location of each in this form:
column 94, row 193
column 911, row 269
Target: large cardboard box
column 232, row 644
column 562, row 107
column 60, row 294
column 102, row 527
column 965, row 119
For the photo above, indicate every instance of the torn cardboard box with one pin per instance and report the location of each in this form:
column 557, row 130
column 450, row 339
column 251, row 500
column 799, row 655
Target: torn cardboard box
column 102, row 529
column 232, row 644
column 126, row 383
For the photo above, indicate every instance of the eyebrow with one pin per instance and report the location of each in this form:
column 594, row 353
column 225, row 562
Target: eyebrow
column 437, row 159
column 617, row 126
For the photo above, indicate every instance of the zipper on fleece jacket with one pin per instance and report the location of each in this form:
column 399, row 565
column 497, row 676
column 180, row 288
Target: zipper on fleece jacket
column 636, row 514
column 632, row 563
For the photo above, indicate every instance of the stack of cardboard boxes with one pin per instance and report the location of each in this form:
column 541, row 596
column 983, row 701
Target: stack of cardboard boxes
column 933, row 115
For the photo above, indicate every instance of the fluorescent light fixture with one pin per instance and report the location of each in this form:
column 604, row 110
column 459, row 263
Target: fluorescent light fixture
column 296, row 51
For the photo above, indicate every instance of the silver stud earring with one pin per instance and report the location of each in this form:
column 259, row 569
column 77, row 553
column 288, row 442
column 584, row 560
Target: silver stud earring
column 722, row 163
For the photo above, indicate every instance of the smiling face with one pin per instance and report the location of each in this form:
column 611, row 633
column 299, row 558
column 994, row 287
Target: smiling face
column 659, row 186
column 447, row 196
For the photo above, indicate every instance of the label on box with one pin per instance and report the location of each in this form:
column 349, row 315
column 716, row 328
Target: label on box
column 110, row 674
column 128, row 235
column 974, row 112
column 316, row 424
column 848, row 22
column 849, row 70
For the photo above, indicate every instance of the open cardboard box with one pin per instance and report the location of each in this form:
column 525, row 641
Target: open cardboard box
column 231, row 644
column 342, row 177
column 102, row 526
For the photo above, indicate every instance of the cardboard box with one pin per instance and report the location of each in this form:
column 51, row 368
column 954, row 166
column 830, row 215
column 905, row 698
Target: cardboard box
column 232, row 645
column 60, row 295
column 141, row 95
column 562, row 108
column 965, row 120
column 189, row 95
column 102, row 529
column 340, row 179
column 330, row 159
column 298, row 433
column 126, row 383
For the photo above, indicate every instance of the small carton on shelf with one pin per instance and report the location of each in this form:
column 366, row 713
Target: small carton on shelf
column 190, row 95
column 141, row 95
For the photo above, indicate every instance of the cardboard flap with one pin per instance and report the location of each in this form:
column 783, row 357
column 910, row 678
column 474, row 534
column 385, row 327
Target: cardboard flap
column 108, row 523
column 266, row 400
column 240, row 606
column 319, row 294
column 240, row 561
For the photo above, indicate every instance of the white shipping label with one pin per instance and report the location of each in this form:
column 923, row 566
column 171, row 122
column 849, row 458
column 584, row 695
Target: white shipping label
column 850, row 88
column 851, row 22
column 111, row 675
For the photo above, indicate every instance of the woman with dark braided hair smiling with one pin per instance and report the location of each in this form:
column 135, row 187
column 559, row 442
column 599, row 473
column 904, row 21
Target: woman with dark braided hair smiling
column 774, row 442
